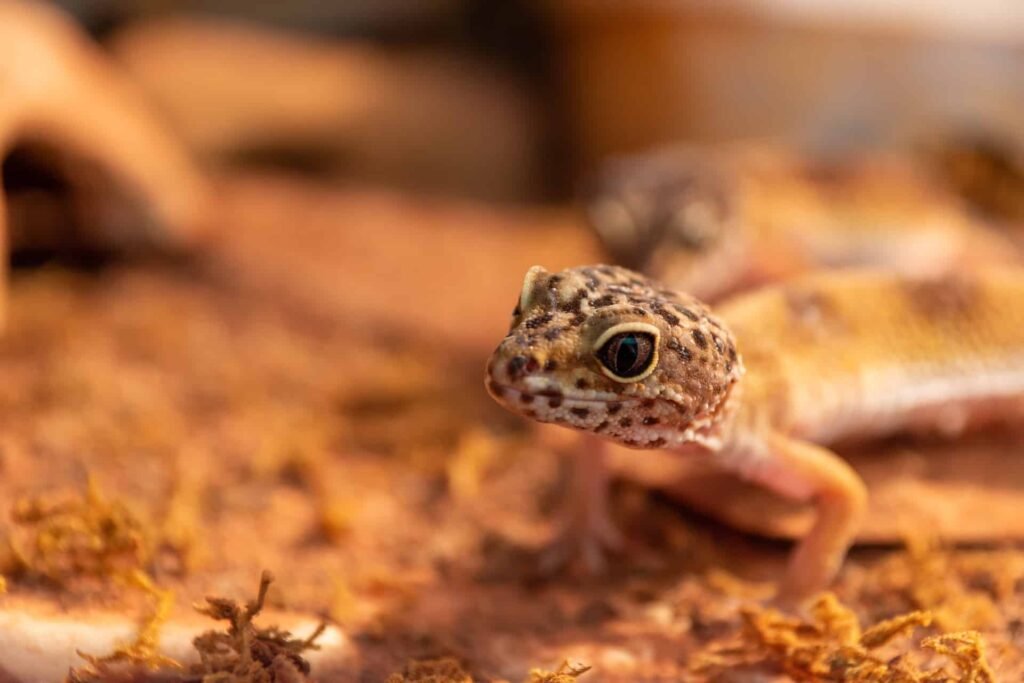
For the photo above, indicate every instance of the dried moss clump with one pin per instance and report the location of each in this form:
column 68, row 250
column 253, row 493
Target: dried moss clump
column 568, row 672
column 79, row 536
column 246, row 654
column 448, row 670
column 832, row 647
column 967, row 650
column 444, row 670
column 89, row 536
column 948, row 584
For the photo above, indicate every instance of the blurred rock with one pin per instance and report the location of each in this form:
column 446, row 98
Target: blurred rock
column 416, row 118
column 86, row 166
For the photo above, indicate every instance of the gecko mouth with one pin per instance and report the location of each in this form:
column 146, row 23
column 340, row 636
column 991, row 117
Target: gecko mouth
column 636, row 422
column 504, row 393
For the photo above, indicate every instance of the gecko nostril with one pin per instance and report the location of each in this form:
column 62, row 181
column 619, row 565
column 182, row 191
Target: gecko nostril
column 518, row 366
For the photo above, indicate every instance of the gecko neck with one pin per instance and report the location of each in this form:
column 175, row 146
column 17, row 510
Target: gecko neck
column 716, row 431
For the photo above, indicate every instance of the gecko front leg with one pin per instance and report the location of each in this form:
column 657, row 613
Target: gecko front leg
column 804, row 471
column 585, row 529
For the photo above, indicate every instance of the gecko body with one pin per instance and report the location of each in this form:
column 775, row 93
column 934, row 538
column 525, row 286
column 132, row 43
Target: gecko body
column 768, row 381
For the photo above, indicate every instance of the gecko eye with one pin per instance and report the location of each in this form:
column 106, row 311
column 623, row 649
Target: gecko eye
column 627, row 355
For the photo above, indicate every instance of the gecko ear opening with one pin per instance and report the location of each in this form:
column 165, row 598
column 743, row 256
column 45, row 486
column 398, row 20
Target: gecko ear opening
column 534, row 275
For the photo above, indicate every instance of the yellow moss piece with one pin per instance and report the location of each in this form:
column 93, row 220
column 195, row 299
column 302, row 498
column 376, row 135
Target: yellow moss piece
column 567, row 672
column 335, row 517
column 444, row 670
column 835, row 620
column 729, row 584
column 884, row 631
column 344, row 607
column 966, row 649
column 476, row 452
column 144, row 650
column 245, row 653
column 181, row 530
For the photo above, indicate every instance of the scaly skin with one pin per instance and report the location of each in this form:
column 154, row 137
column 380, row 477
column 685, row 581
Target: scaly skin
column 767, row 383
column 715, row 222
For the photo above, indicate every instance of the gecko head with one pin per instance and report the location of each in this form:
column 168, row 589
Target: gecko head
column 666, row 212
column 606, row 350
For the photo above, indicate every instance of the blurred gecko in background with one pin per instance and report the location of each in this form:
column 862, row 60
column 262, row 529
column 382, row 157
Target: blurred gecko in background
column 767, row 382
column 716, row 221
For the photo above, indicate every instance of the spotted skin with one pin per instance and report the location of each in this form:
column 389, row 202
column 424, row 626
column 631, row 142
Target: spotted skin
column 545, row 368
column 767, row 383
column 854, row 356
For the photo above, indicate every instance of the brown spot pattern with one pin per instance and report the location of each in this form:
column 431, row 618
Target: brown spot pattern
column 945, row 297
column 538, row 321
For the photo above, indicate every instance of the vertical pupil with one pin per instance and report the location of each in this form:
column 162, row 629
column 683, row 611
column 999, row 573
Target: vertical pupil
column 627, row 353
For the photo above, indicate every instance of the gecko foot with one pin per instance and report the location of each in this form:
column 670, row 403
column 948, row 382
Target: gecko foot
column 587, row 538
column 585, row 534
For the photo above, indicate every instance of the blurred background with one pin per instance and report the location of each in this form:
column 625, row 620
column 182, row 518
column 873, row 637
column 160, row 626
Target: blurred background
column 303, row 391
column 517, row 100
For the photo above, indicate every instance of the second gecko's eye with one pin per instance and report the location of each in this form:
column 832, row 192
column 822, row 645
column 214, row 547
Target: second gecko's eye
column 517, row 314
column 627, row 355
